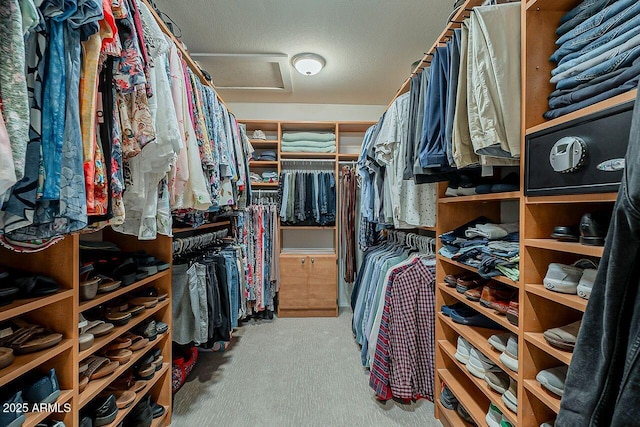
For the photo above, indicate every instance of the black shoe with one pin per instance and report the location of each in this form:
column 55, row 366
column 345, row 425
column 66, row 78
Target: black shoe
column 157, row 410
column 593, row 228
column 104, row 410
column 566, row 233
column 141, row 415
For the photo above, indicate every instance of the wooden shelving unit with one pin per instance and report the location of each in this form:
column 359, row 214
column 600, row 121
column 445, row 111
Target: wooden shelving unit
column 209, row 225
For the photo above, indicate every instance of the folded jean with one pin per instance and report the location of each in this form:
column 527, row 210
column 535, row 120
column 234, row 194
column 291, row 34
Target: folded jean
column 580, row 13
column 598, row 86
column 574, row 67
column 621, row 60
column 492, row 231
column 596, row 26
column 612, row 34
column 626, row 87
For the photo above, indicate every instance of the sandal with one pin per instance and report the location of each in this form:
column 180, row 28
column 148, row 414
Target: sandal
column 147, row 302
column 146, row 369
column 86, row 341
column 147, row 330
column 30, row 338
column 84, row 382
column 152, row 292
column 118, row 318
column 99, row 367
column 35, row 286
column 120, row 343
column 107, row 284
column 124, row 398
column 98, row 328
column 6, row 357
column 137, row 342
column 121, row 355
column 127, row 382
column 126, row 272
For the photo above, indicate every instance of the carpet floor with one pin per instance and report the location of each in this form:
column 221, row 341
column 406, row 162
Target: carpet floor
column 289, row 372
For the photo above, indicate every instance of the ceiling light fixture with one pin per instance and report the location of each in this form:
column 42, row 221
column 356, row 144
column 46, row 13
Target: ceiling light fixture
column 308, row 64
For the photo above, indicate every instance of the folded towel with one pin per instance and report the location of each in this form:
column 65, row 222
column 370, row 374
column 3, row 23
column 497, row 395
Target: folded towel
column 308, row 136
column 307, row 149
column 320, row 144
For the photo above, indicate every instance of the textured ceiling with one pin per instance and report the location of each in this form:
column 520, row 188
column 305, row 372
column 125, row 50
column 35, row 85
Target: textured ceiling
column 369, row 45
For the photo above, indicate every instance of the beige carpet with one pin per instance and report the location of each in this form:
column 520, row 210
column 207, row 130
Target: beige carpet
column 289, row 372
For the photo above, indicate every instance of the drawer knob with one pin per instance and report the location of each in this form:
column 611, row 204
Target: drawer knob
column 313, row 261
column 568, row 154
column 302, row 260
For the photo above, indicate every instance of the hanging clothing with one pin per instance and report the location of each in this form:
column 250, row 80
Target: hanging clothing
column 308, row 198
column 348, row 199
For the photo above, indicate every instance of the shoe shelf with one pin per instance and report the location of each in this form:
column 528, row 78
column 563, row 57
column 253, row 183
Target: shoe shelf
column 22, row 306
column 264, row 185
column 264, row 142
column 537, row 339
column 478, row 337
column 25, row 363
column 466, row 393
column 492, row 197
column 545, row 396
column 573, row 301
column 147, row 388
column 96, row 386
column 263, row 163
column 34, row 418
column 119, row 330
column 569, row 247
column 493, row 396
column 103, row 298
column 502, row 279
column 451, row 417
column 489, row 312
column 218, row 224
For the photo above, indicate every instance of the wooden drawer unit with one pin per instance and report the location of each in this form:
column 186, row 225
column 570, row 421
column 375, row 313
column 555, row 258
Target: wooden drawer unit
column 308, row 285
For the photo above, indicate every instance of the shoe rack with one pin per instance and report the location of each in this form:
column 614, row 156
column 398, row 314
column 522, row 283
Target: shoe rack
column 60, row 312
column 540, row 309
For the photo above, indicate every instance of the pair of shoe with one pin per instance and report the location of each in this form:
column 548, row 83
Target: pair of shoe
column 449, row 401
column 465, row 315
column 553, row 379
column 143, row 413
column 507, row 344
column 495, row 418
column 591, row 231
column 576, row 278
column 39, row 389
column 496, row 296
column 464, row 282
column 564, row 337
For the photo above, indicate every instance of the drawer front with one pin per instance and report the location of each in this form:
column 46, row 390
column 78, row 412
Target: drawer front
column 294, row 288
column 581, row 156
column 323, row 281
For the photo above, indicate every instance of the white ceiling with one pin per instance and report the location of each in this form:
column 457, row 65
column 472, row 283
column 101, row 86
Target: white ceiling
column 369, row 45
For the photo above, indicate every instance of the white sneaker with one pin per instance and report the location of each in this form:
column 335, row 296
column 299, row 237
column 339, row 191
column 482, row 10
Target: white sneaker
column 562, row 278
column 258, row 134
column 510, row 354
column 586, row 283
column 463, row 350
column 510, row 397
column 494, row 416
column 479, row 364
column 499, row 342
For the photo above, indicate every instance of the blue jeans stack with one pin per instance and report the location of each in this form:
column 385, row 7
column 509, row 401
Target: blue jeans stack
column 598, row 55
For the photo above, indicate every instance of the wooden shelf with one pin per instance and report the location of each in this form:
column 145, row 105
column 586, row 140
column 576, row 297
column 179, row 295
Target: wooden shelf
column 489, row 312
column 103, row 298
column 33, row 418
column 219, row 224
column 262, row 142
column 493, row 197
column 600, row 106
column 573, row 301
column 501, row 279
column 482, row 385
column 264, row 163
column 476, row 411
column 428, row 228
column 478, row 337
column 553, row 5
column 298, row 155
column 21, row 306
column 346, row 157
column 545, row 396
column 570, row 247
column 308, row 227
column 264, row 185
column 119, row 330
column 572, row 198
column 123, row 412
column 27, row 362
column 537, row 339
column 96, row 386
